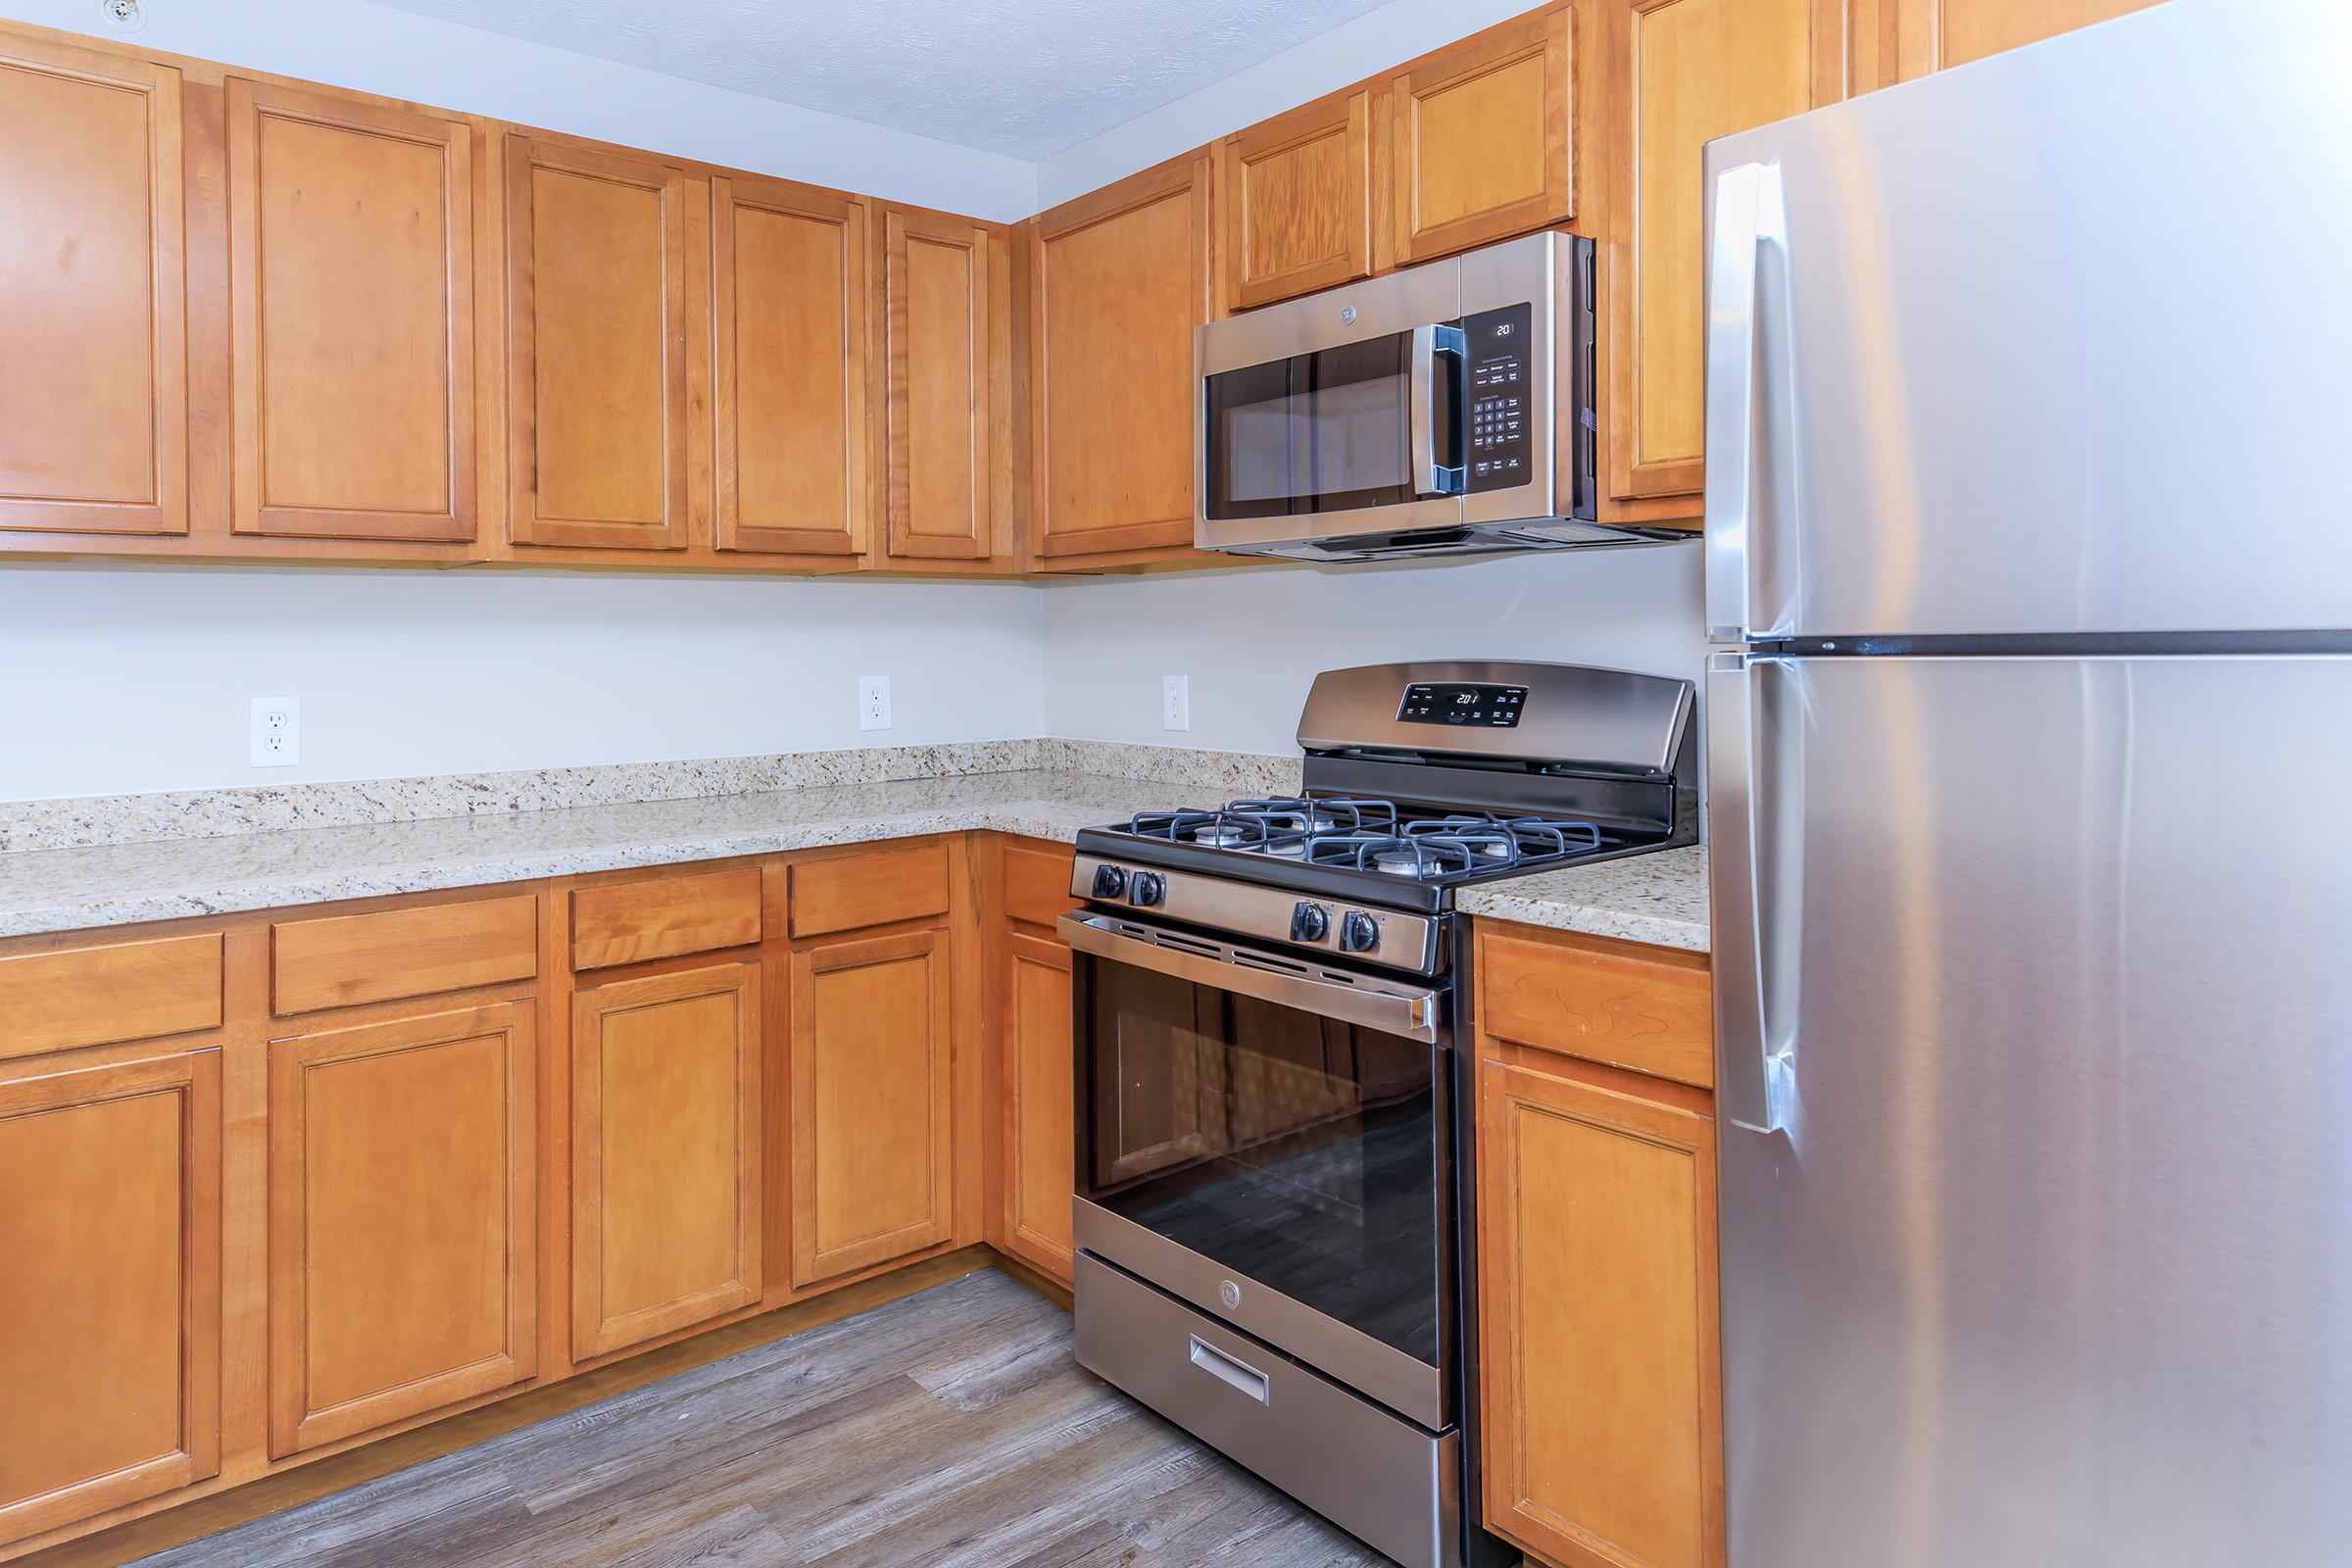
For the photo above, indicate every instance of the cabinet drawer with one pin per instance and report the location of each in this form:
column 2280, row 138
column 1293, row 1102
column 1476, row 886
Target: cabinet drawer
column 862, row 890
column 343, row 960
column 1601, row 1001
column 98, row 994
column 629, row 922
column 1037, row 882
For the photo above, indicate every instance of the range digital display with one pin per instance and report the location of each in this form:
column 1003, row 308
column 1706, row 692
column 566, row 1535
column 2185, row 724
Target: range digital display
column 1450, row 702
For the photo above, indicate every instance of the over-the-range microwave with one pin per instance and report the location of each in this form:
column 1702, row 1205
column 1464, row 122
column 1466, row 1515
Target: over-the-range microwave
column 1444, row 409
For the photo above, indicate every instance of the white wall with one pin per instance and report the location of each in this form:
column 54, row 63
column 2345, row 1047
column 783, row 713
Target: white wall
column 1251, row 641
column 124, row 678
column 350, row 43
column 1367, row 46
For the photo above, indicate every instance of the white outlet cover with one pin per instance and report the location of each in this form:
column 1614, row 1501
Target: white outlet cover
column 1175, row 701
column 873, row 701
column 275, row 738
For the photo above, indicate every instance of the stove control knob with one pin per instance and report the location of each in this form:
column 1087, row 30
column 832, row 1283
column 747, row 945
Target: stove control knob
column 1111, row 881
column 1310, row 923
column 1145, row 889
column 1358, row 932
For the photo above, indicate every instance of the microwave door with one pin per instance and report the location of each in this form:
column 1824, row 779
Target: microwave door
column 1344, row 429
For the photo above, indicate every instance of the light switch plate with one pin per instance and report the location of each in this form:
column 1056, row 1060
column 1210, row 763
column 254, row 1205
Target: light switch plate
column 277, row 735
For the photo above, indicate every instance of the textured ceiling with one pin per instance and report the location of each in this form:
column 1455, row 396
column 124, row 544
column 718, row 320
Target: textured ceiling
column 1024, row 78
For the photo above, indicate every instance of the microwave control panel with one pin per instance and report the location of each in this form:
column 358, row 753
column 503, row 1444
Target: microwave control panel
column 1451, row 703
column 1502, row 447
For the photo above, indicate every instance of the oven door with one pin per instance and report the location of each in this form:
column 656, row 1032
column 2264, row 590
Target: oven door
column 1271, row 1141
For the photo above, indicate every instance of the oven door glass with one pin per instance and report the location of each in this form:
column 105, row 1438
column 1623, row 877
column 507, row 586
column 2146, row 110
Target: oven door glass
column 1327, row 432
column 1296, row 1151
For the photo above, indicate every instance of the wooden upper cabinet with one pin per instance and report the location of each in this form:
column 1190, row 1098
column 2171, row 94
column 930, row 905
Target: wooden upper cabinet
column 402, row 1219
column 351, row 306
column 665, row 1214
column 1687, row 72
column 938, row 480
column 788, row 394
column 596, row 371
column 93, row 293
column 1484, row 140
column 873, row 1140
column 1118, row 281
column 1295, row 202
column 110, row 1307
column 1939, row 34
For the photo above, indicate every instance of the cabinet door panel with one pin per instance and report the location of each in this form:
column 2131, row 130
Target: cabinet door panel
column 1120, row 280
column 1484, row 140
column 1598, row 1341
column 351, row 303
column 1692, row 70
column 1041, row 1114
column 93, row 294
column 872, row 1178
column 935, row 291
column 665, row 1154
column 789, row 292
column 1295, row 202
column 1957, row 32
column 110, row 1310
column 403, row 1211
column 597, row 330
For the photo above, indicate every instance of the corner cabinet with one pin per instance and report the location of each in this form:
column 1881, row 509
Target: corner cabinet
column 1682, row 72
column 93, row 310
column 596, row 347
column 1118, row 280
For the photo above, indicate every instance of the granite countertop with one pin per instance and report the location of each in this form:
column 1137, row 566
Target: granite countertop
column 1660, row 899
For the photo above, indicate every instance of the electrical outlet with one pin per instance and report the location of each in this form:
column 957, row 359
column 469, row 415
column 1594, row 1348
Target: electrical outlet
column 277, row 737
column 1175, row 701
column 873, row 701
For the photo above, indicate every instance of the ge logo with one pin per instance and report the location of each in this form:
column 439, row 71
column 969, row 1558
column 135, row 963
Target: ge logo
column 1347, row 315
column 1230, row 1293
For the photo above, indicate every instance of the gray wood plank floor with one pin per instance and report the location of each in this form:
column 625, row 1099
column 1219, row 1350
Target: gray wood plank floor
column 949, row 1428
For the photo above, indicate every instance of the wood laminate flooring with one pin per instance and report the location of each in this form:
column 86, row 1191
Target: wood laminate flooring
column 953, row 1427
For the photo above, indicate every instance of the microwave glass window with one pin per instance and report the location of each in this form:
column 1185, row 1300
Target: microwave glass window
column 1328, row 431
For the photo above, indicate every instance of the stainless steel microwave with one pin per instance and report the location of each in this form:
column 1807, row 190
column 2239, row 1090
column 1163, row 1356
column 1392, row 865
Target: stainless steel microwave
column 1441, row 410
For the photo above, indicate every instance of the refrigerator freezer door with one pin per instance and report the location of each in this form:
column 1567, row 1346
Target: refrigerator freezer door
column 2050, row 1261
column 2068, row 339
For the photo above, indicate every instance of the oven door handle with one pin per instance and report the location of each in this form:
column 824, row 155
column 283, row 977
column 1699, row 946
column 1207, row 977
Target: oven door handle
column 1395, row 1009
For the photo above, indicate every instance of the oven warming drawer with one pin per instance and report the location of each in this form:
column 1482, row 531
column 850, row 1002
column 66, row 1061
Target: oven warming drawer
column 1371, row 1472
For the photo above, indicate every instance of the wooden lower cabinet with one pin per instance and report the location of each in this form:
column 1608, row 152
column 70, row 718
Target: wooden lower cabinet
column 1597, row 1318
column 110, row 1292
column 402, row 1219
column 1040, row 1112
column 872, row 1137
column 665, row 1202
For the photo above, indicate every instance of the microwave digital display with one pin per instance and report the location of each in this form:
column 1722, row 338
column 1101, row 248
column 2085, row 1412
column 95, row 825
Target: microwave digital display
column 1451, row 703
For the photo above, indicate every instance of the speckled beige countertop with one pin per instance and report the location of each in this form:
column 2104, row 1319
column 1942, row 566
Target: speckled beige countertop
column 1657, row 898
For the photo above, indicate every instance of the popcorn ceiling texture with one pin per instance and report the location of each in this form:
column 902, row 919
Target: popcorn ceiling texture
column 1022, row 78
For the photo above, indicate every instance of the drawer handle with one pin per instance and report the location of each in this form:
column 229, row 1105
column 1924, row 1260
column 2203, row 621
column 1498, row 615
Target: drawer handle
column 1230, row 1372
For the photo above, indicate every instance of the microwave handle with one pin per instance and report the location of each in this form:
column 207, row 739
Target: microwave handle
column 1430, row 476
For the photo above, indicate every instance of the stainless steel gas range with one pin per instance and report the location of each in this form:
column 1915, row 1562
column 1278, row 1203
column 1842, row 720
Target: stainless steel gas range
column 1273, row 1122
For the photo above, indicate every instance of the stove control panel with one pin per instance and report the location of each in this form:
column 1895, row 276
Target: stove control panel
column 1461, row 702
column 1400, row 939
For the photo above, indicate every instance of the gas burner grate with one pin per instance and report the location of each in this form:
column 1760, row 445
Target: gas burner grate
column 1358, row 833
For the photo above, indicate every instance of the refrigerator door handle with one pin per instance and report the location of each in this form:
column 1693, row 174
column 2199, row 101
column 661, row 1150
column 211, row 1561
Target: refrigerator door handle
column 1755, row 1065
column 1748, row 216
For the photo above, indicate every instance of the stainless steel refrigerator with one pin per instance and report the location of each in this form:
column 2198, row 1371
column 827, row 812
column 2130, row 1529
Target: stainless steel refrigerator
column 2029, row 544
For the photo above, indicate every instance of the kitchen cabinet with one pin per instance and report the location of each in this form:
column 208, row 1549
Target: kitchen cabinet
column 872, row 1138
column 1683, row 73
column 403, row 1218
column 1484, row 140
column 351, row 304
column 1295, row 202
column 1598, row 1352
column 1040, row 1112
column 597, row 326
column 110, row 1307
column 665, row 1182
column 939, row 286
column 93, row 292
column 1940, row 33
column 790, row 395
column 1118, row 280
